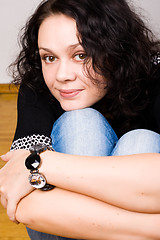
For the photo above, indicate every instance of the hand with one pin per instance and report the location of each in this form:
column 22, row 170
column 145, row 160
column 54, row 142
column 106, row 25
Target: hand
column 14, row 183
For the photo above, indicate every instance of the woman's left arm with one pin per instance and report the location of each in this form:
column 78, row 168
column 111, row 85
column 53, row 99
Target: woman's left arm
column 68, row 214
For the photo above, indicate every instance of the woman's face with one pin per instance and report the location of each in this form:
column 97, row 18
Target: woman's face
column 62, row 64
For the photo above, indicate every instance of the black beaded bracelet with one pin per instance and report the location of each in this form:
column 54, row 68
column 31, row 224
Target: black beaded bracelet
column 32, row 162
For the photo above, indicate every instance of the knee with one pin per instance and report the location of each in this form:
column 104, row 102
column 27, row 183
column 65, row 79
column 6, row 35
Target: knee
column 81, row 115
column 82, row 131
column 78, row 120
column 138, row 141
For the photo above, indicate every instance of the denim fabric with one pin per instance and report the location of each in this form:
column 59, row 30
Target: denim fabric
column 35, row 235
column 87, row 132
column 83, row 132
column 137, row 141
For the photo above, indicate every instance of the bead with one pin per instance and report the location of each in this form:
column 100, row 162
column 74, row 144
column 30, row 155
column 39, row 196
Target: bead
column 32, row 161
column 37, row 180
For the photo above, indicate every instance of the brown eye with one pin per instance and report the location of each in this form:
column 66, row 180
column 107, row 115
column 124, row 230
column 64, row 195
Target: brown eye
column 49, row 59
column 80, row 57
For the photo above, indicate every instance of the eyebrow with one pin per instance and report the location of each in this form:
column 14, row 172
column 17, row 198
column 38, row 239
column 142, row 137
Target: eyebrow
column 73, row 46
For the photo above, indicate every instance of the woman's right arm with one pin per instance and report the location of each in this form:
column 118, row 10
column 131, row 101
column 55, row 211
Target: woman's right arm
column 64, row 213
column 36, row 115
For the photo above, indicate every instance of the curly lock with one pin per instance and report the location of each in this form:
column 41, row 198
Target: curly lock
column 118, row 42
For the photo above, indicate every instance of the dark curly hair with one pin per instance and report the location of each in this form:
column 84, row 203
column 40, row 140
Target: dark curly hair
column 118, row 42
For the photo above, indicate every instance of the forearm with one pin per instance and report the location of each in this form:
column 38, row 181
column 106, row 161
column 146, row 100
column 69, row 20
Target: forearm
column 64, row 213
column 129, row 182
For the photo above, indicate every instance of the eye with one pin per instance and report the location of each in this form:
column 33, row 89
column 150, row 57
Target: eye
column 49, row 59
column 80, row 56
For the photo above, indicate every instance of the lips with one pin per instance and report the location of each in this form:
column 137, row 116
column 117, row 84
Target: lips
column 70, row 93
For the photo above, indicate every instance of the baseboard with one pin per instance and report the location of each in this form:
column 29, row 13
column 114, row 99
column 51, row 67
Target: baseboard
column 8, row 88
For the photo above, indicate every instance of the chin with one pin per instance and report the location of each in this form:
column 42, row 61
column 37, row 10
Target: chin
column 71, row 108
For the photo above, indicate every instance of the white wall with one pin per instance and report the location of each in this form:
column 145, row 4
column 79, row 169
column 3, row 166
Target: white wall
column 14, row 13
column 149, row 10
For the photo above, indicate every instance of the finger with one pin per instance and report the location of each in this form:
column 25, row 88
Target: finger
column 6, row 157
column 4, row 201
column 11, row 211
column 3, row 157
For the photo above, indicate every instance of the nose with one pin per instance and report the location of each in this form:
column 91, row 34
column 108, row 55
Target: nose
column 65, row 71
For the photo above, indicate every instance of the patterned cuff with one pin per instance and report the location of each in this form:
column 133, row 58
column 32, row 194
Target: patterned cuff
column 156, row 59
column 28, row 141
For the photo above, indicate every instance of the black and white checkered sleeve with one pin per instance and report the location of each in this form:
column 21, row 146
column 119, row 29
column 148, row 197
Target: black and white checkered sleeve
column 28, row 141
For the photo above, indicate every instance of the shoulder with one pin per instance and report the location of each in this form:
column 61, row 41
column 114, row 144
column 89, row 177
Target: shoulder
column 29, row 98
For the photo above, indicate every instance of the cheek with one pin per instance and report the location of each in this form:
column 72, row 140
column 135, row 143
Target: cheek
column 96, row 89
column 48, row 77
column 98, row 92
column 99, row 88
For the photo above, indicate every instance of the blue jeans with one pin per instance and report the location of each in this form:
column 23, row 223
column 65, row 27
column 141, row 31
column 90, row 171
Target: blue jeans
column 87, row 132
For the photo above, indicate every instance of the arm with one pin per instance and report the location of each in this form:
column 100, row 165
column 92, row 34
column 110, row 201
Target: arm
column 124, row 181
column 84, row 170
column 73, row 215
column 36, row 115
column 128, row 174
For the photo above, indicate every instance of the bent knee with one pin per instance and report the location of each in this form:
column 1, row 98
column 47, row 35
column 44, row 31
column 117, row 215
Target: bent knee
column 138, row 141
column 82, row 119
column 84, row 131
column 81, row 116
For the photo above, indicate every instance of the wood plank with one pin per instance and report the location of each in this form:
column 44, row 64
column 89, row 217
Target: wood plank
column 8, row 115
column 8, row 88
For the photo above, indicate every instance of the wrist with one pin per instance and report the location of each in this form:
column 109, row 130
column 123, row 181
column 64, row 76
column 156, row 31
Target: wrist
column 33, row 163
column 45, row 159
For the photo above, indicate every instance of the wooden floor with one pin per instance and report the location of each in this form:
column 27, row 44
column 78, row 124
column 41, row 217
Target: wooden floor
column 8, row 230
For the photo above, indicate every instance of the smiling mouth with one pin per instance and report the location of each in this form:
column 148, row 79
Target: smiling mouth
column 70, row 93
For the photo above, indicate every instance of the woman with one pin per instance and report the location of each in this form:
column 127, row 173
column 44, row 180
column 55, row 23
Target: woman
column 88, row 54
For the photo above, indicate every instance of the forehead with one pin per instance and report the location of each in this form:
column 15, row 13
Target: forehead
column 58, row 29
